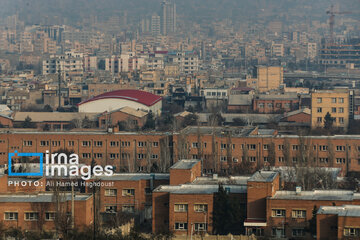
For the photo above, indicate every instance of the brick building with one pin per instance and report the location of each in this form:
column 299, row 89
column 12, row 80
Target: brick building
column 275, row 103
column 186, row 205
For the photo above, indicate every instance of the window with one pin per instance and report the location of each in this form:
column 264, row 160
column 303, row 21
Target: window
column 281, row 159
column 323, row 148
column 333, row 110
column 128, row 192
column 111, row 209
column 11, row 216
column 141, row 156
column 351, row 231
column 294, row 159
column 128, row 208
column 235, row 160
column 252, row 159
column 200, row 207
column 341, row 110
column 114, row 144
column 154, row 156
column 298, row 232
column 200, row 226
column 141, row 144
column 125, row 144
column 340, row 148
column 340, row 160
column 281, row 147
column 86, row 143
column 270, row 105
column 110, row 192
column 319, row 100
column 298, row 213
column 265, row 146
column 278, row 232
column 319, row 110
column 86, row 155
column 278, row 212
column 98, row 143
column 49, row 216
column 324, row 160
column 31, row 216
column 55, row 143
column 333, row 100
column 180, row 207
column 251, row 146
column 319, row 119
column 266, row 159
column 27, row 143
column 155, row 144
column 341, row 100
column 181, row 226
column 224, row 146
column 223, row 158
column 261, row 105
column 71, row 143
column 114, row 155
column 295, row 147
column 44, row 143
column 195, row 145
column 341, row 120
column 98, row 155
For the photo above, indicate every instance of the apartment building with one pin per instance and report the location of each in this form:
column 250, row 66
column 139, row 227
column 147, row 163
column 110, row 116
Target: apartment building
column 188, row 62
column 126, row 62
column 63, row 64
column 334, row 102
column 266, row 78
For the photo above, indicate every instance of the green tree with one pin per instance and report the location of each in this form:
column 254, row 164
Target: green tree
column 190, row 120
column 328, row 121
column 150, row 122
column 228, row 207
column 28, row 123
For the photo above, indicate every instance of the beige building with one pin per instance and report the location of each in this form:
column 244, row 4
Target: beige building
column 266, row 78
column 335, row 102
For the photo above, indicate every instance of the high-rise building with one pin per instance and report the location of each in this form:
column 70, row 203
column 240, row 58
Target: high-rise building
column 155, row 25
column 168, row 17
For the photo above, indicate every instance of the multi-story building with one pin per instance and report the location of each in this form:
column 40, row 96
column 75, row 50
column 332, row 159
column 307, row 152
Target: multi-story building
column 186, row 206
column 312, row 51
column 277, row 50
column 168, row 17
column 273, row 103
column 188, row 62
column 339, row 55
column 63, row 64
column 126, row 62
column 335, row 102
column 155, row 25
column 266, row 78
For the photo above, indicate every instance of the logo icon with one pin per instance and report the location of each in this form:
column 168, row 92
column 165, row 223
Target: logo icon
column 24, row 174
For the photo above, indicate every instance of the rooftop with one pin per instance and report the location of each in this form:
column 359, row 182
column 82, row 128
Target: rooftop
column 135, row 176
column 52, row 116
column 318, row 195
column 185, row 164
column 343, row 211
column 214, row 180
column 40, row 197
column 200, row 189
column 263, row 176
column 139, row 96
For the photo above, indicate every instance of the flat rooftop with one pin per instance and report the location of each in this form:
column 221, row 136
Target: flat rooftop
column 318, row 195
column 135, row 176
column 343, row 211
column 199, row 189
column 236, row 180
column 185, row 164
column 41, row 197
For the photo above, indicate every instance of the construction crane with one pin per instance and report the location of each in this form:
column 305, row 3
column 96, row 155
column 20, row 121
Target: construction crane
column 332, row 14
